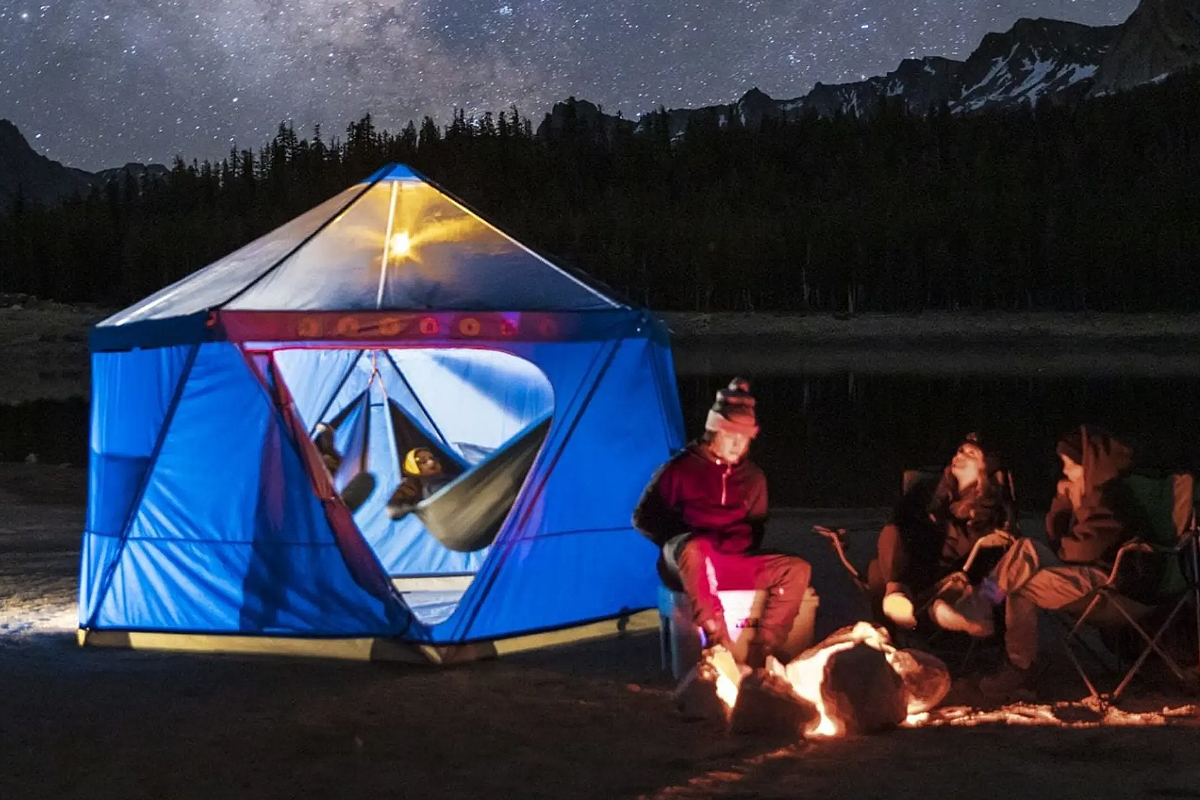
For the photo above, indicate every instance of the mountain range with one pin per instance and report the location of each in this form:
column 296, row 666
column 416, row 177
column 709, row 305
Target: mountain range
column 1035, row 60
column 27, row 174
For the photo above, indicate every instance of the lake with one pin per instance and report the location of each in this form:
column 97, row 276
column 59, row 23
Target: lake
column 839, row 430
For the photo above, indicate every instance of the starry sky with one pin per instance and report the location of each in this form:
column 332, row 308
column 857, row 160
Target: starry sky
column 98, row 83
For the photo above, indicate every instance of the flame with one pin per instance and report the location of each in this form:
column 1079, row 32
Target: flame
column 806, row 675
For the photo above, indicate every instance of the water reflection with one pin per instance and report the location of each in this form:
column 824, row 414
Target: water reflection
column 844, row 439
column 840, row 426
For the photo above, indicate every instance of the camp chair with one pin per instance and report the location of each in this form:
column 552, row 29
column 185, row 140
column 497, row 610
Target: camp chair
column 1170, row 506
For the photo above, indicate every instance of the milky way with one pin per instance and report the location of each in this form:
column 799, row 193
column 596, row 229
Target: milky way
column 97, row 83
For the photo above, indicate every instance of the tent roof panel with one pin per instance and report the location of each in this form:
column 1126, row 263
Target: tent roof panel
column 393, row 243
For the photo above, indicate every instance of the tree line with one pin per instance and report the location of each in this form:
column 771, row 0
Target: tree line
column 1051, row 207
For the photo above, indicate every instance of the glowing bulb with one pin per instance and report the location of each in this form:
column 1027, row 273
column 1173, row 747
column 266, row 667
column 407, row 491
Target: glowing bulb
column 399, row 245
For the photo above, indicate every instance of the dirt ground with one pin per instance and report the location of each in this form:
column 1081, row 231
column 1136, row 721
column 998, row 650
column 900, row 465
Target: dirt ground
column 590, row 721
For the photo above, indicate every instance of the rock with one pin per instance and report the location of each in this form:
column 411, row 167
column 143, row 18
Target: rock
column 926, row 679
column 862, row 691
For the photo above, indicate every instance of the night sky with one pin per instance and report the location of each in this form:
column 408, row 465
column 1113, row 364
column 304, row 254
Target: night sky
column 97, row 83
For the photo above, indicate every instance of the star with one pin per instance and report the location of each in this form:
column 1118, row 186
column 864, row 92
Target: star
column 110, row 81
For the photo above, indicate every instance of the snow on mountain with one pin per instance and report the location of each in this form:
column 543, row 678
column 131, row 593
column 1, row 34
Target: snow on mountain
column 1035, row 59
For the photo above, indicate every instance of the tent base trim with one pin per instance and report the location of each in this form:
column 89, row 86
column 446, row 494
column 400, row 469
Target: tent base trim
column 351, row 649
column 365, row 648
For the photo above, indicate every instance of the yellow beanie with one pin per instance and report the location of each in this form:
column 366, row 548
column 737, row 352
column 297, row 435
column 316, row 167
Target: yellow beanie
column 410, row 460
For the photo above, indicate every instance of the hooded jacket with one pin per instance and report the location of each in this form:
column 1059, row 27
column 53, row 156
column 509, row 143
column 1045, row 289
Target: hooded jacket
column 932, row 515
column 695, row 493
column 1107, row 516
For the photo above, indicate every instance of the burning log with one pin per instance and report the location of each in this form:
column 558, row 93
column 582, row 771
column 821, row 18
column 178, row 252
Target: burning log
column 861, row 693
column 855, row 681
column 767, row 704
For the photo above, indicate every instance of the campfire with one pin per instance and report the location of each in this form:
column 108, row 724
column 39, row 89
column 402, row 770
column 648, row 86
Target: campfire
column 855, row 681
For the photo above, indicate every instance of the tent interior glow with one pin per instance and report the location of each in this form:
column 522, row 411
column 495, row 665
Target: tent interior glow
column 548, row 402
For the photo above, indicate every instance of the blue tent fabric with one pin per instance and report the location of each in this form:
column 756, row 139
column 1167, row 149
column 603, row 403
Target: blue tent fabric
column 231, row 537
column 209, row 509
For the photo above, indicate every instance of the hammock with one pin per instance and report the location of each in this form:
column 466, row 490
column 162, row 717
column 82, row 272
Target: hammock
column 466, row 515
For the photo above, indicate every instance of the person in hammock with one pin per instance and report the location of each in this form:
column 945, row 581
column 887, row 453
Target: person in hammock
column 357, row 489
column 935, row 526
column 423, row 474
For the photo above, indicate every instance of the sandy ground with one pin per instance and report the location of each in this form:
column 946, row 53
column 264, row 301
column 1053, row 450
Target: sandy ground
column 591, row 720
column 43, row 346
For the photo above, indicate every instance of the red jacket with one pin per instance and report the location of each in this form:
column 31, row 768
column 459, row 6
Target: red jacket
column 694, row 493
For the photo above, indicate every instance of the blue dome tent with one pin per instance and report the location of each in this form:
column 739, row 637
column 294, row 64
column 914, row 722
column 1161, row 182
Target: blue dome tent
column 394, row 318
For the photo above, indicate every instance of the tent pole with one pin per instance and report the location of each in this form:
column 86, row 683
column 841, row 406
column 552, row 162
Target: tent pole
column 387, row 246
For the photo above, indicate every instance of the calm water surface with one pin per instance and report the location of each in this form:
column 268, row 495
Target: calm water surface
column 836, row 437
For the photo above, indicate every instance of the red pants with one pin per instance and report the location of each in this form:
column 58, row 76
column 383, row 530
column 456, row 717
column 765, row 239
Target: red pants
column 704, row 570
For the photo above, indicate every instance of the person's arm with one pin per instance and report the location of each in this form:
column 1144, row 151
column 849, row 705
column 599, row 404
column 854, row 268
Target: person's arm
column 1058, row 518
column 1095, row 532
column 656, row 514
column 758, row 508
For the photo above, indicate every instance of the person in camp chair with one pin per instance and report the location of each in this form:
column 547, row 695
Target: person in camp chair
column 706, row 508
column 423, row 477
column 358, row 488
column 935, row 526
column 1093, row 514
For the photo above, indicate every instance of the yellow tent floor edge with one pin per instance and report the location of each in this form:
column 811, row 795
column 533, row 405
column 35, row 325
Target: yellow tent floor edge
column 364, row 648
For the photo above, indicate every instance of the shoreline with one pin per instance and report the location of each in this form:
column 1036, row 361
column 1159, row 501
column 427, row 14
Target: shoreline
column 999, row 329
column 44, row 352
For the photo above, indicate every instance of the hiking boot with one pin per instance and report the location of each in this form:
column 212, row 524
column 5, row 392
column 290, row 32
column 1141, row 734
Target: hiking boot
column 898, row 607
column 972, row 614
column 1010, row 684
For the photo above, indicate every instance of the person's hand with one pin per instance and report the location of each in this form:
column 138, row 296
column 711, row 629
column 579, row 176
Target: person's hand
column 997, row 538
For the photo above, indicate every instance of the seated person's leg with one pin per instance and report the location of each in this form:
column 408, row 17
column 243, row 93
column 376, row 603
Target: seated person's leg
column 1050, row 588
column 327, row 448
column 702, row 569
column 891, row 589
column 668, row 562
column 972, row 613
column 357, row 490
column 784, row 579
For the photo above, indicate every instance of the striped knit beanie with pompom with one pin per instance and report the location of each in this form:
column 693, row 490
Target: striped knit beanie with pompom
column 733, row 410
